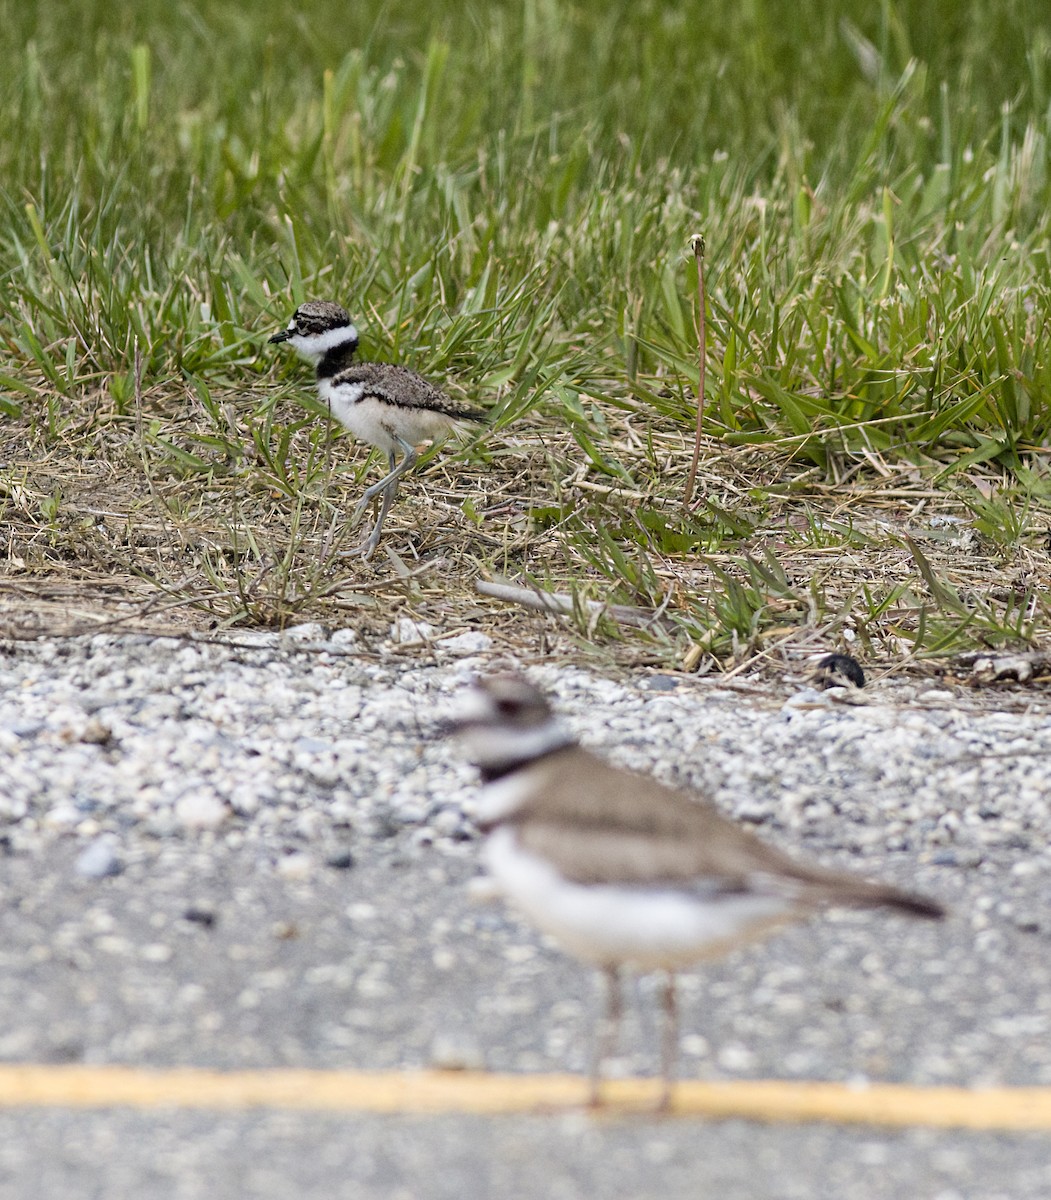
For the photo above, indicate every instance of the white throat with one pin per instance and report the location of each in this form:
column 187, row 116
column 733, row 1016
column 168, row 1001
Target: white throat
column 492, row 747
column 315, row 347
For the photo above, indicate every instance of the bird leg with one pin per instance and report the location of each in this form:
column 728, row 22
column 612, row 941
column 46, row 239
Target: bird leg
column 388, row 486
column 606, row 1033
column 392, row 477
column 368, row 547
column 669, row 1042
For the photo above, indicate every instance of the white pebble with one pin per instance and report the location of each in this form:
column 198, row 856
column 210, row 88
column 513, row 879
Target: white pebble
column 295, row 867
column 201, row 811
column 99, row 860
column 471, row 642
column 405, row 631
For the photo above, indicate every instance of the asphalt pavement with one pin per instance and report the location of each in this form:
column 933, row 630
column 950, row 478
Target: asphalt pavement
column 266, row 938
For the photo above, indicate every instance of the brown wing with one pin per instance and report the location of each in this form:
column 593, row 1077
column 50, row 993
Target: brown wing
column 628, row 828
column 401, row 387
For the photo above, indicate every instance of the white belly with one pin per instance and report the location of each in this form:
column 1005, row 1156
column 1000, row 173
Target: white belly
column 648, row 928
column 381, row 424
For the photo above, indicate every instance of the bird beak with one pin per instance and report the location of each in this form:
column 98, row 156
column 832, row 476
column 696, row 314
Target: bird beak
column 283, row 336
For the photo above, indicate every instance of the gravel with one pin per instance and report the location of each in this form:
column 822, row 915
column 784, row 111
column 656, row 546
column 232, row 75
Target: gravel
column 259, row 852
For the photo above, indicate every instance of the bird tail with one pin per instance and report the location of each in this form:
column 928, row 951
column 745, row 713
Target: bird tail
column 880, row 895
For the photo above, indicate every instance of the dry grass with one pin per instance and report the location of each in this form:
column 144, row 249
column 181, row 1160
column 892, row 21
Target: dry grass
column 875, row 204
column 779, row 559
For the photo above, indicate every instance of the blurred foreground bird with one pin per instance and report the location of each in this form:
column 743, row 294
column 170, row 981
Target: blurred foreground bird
column 623, row 871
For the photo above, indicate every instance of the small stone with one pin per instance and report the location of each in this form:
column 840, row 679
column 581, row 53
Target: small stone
column 295, row 867
column 835, row 670
column 752, row 811
column 960, row 856
column 1027, row 921
column 112, row 943
column 341, row 860
column 661, row 683
column 735, row 1057
column 463, row 644
column 24, row 728
column 1003, row 666
column 483, row 889
column 311, row 745
column 696, row 1046
column 456, row 1052
column 385, row 825
column 446, row 822
column 99, row 860
column 806, row 698
column 156, row 952
column 523, row 952
column 96, row 733
column 62, row 816
column 201, row 812
column 200, row 914
column 1029, row 867
column 309, row 631
column 13, row 808
column 407, row 632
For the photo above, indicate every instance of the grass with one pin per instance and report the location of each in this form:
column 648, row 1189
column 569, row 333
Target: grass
column 504, row 196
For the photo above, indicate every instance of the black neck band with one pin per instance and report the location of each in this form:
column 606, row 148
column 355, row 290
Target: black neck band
column 491, row 772
column 337, row 359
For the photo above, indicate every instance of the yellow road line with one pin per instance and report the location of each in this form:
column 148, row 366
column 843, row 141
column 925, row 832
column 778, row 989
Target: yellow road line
column 31, row 1086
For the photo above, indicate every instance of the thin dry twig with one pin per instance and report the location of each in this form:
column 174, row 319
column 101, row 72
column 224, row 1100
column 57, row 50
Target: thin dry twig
column 697, row 246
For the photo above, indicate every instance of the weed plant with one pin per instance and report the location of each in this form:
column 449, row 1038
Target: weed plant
column 503, row 194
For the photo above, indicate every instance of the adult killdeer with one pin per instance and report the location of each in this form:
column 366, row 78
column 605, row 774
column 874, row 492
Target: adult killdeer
column 623, row 871
column 388, row 406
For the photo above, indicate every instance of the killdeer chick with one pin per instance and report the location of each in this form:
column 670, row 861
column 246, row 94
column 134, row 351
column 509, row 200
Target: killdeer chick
column 623, row 871
column 388, row 406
